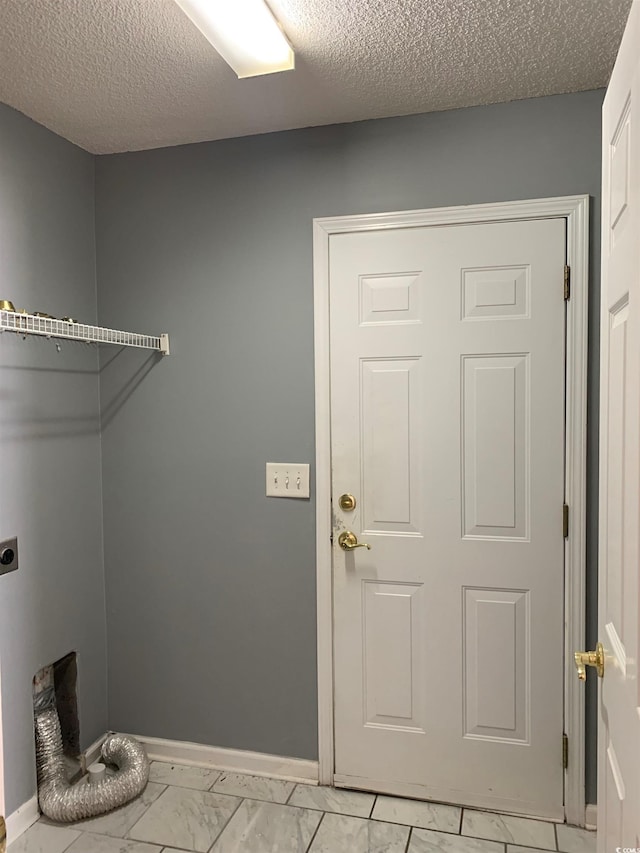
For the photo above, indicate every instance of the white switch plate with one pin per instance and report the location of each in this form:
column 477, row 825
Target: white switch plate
column 287, row 480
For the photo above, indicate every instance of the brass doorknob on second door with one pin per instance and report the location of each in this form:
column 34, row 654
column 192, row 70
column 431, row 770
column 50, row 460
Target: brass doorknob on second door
column 585, row 659
column 348, row 541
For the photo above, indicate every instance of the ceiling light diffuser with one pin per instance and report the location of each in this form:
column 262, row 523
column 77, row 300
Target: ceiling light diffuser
column 245, row 34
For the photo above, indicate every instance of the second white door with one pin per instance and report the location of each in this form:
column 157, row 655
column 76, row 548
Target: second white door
column 447, row 398
column 619, row 558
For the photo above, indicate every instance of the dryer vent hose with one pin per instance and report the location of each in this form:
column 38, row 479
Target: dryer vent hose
column 62, row 801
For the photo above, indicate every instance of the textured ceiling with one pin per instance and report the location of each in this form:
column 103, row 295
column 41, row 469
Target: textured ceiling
column 118, row 75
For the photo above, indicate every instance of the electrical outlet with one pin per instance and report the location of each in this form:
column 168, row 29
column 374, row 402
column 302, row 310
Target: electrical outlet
column 8, row 555
column 287, row 480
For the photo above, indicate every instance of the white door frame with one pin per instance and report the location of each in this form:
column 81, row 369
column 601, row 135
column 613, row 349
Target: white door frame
column 2, row 812
column 576, row 211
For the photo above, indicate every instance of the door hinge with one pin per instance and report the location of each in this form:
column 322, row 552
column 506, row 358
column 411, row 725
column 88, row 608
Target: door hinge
column 565, row 751
column 565, row 520
column 567, row 281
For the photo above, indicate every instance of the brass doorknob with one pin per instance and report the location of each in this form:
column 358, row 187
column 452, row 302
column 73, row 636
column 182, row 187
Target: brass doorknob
column 585, row 659
column 348, row 541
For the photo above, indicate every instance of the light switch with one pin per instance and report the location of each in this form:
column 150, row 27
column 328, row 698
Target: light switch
column 287, row 480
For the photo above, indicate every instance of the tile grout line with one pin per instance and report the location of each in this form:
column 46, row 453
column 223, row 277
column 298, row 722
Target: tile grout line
column 147, row 807
column 227, row 822
column 406, row 849
column 215, row 782
column 461, row 820
column 555, row 835
column 70, row 843
column 291, row 793
column 213, row 844
column 313, row 837
column 373, row 806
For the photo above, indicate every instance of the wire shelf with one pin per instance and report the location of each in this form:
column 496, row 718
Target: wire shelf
column 30, row 324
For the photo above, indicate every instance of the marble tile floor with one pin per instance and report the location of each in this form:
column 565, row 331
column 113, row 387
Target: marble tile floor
column 197, row 810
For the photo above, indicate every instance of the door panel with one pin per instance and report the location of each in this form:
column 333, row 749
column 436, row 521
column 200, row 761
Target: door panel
column 496, row 652
column 447, row 399
column 495, row 405
column 619, row 587
column 394, row 690
column 389, row 417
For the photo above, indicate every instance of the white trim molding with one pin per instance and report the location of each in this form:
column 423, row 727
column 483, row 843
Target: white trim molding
column 575, row 209
column 231, row 760
column 22, row 818
column 591, row 816
column 576, row 498
column 92, row 753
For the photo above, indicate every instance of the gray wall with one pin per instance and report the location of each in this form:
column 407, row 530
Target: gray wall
column 211, row 586
column 50, row 494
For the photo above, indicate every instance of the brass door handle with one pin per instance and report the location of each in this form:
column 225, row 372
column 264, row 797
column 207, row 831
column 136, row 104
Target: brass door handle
column 585, row 659
column 348, row 541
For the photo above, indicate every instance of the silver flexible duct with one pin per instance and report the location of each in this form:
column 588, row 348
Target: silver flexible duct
column 64, row 802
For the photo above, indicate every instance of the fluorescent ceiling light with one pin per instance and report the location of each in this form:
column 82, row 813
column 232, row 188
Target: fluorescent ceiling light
column 245, row 34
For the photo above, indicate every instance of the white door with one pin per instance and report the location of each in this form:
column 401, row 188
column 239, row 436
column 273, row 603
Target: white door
column 447, row 399
column 619, row 590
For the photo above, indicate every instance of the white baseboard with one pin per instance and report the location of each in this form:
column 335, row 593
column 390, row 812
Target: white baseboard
column 22, row 818
column 236, row 760
column 92, row 753
column 591, row 816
